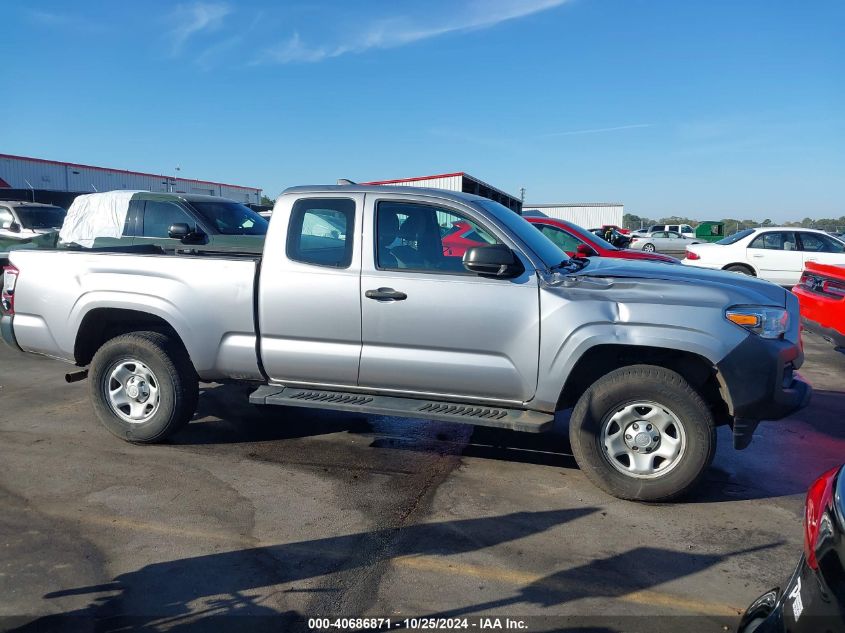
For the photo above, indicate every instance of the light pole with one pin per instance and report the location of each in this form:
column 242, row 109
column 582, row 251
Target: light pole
column 173, row 182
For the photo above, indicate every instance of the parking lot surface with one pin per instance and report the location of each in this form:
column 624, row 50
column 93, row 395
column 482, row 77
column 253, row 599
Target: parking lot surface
column 289, row 514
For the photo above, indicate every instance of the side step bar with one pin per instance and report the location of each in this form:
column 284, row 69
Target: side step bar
column 500, row 417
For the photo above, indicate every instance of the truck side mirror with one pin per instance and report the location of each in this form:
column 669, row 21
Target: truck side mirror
column 14, row 227
column 179, row 231
column 493, row 260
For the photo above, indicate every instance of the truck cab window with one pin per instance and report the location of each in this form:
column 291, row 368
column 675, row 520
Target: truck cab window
column 411, row 236
column 320, row 232
column 159, row 215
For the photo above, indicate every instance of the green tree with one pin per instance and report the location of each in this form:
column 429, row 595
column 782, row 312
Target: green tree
column 267, row 201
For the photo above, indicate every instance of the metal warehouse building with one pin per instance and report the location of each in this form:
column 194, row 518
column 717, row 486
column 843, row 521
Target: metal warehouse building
column 589, row 215
column 38, row 175
column 458, row 181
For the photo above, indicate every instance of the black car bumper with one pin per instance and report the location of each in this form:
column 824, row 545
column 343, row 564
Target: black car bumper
column 834, row 336
column 6, row 332
column 802, row 607
column 761, row 383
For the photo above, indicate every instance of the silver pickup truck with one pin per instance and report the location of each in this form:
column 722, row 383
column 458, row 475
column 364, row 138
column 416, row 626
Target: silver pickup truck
column 356, row 304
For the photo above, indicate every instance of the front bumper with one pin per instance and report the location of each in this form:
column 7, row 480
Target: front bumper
column 7, row 333
column 760, row 383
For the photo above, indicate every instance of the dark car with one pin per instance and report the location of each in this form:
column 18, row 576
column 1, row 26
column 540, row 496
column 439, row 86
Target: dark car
column 576, row 241
column 813, row 600
column 613, row 236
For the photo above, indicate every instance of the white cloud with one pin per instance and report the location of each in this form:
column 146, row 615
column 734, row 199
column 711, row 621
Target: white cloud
column 393, row 32
column 195, row 18
column 597, row 130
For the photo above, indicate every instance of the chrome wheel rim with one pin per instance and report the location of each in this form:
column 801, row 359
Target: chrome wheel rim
column 132, row 391
column 648, row 248
column 643, row 439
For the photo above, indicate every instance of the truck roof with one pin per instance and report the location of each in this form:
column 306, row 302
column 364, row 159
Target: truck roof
column 25, row 203
column 458, row 196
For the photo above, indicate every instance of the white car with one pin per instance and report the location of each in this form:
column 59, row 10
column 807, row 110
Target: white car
column 777, row 254
column 662, row 241
column 684, row 229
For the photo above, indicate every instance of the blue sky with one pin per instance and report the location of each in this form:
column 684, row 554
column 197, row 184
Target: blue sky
column 720, row 108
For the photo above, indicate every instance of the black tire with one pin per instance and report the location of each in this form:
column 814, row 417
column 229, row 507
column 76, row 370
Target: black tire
column 622, row 387
column 649, row 248
column 740, row 268
column 177, row 384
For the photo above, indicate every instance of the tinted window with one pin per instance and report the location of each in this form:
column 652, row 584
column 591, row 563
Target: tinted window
column 321, row 232
column 673, row 227
column 819, row 243
column 41, row 217
column 6, row 218
column 560, row 237
column 732, row 239
column 775, row 241
column 231, row 218
column 418, row 237
column 159, row 215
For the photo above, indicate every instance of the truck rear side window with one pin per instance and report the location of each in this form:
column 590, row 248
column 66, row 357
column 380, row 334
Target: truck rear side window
column 321, row 232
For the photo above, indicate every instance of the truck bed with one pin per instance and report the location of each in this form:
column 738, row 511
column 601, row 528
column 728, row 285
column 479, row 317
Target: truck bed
column 208, row 299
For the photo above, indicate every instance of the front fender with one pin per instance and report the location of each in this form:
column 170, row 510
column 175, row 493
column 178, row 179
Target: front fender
column 574, row 320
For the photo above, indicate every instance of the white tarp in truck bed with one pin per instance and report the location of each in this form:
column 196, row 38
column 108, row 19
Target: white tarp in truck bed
column 95, row 215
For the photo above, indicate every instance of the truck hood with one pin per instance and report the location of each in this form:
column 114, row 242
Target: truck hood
column 758, row 291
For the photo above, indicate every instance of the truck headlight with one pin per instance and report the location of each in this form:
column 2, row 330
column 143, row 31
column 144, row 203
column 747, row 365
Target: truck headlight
column 762, row 320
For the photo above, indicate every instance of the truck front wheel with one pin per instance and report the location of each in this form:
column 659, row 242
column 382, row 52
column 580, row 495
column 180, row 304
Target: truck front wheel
column 143, row 386
column 642, row 433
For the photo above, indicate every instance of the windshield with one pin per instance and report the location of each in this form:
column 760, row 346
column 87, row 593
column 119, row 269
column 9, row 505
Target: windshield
column 41, row 217
column 542, row 246
column 231, row 218
column 733, row 239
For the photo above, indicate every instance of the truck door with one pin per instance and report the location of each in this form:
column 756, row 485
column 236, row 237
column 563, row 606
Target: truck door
column 431, row 327
column 309, row 300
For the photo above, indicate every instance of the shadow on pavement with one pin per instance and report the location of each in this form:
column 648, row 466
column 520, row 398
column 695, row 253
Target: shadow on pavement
column 614, row 577
column 193, row 594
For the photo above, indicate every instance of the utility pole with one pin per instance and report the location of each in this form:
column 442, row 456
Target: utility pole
column 522, row 194
column 173, row 182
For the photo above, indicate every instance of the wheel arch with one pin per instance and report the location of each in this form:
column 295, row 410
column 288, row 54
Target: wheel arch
column 600, row 360
column 746, row 265
column 103, row 324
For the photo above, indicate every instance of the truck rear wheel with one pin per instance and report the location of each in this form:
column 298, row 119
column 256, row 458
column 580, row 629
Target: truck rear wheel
column 143, row 386
column 642, row 433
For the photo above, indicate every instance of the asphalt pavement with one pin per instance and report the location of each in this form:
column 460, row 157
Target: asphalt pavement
column 282, row 515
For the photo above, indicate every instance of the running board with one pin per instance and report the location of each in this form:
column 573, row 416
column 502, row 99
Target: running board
column 500, row 417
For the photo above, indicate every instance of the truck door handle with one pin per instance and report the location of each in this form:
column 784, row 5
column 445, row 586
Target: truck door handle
column 385, row 294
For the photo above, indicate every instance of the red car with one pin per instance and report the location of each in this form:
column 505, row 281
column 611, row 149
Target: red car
column 577, row 241
column 462, row 236
column 821, row 293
